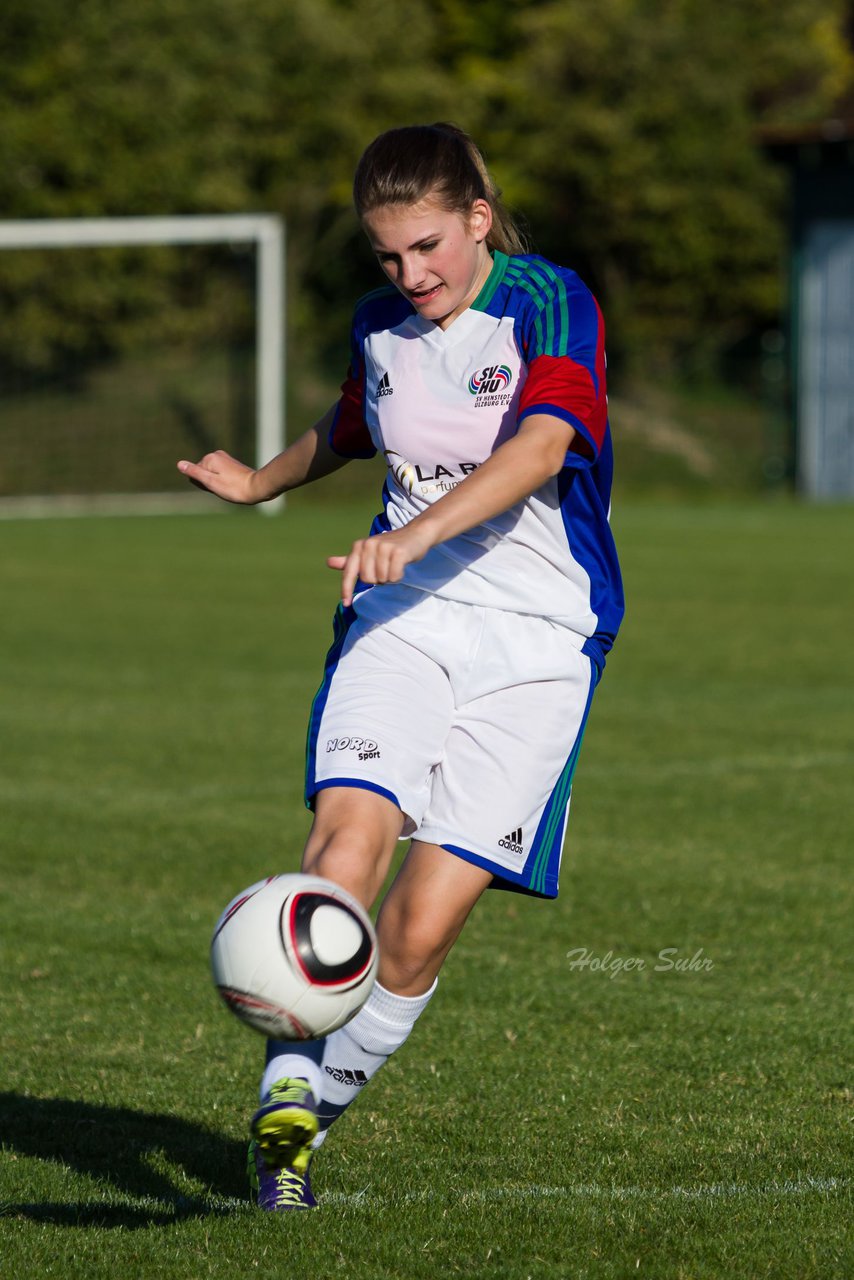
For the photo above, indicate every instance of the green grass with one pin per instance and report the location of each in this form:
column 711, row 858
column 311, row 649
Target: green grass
column 544, row 1120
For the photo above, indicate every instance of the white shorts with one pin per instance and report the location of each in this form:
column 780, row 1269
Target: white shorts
column 469, row 719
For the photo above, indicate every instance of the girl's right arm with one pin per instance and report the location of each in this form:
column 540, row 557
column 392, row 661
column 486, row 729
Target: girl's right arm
column 308, row 458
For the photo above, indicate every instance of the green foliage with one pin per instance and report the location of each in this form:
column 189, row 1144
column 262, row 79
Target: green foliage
column 640, row 155
column 625, row 130
column 173, row 107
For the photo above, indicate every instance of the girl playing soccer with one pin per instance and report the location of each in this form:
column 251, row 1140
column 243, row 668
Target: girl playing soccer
column 475, row 618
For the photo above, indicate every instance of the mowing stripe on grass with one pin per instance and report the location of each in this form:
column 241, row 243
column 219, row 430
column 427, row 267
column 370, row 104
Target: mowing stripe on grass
column 591, row 1191
column 191, row 1206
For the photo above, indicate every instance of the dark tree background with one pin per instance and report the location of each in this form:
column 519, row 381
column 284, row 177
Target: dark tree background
column 625, row 130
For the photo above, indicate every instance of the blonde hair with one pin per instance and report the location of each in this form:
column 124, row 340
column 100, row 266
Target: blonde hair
column 405, row 165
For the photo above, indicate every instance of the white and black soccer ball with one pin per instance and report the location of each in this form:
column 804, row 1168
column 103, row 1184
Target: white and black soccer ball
column 294, row 956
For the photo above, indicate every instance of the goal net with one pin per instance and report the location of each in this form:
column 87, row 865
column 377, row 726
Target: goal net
column 129, row 343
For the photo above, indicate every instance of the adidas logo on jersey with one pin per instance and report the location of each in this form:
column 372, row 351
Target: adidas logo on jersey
column 513, row 841
column 355, row 1078
column 383, row 388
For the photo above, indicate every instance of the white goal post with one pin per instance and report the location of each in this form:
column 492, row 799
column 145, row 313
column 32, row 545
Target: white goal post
column 265, row 231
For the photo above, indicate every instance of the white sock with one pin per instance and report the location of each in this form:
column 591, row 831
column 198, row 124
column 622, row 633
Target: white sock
column 355, row 1052
column 297, row 1067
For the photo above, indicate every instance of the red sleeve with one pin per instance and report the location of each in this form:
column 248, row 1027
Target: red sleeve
column 568, row 382
column 558, row 386
column 349, row 435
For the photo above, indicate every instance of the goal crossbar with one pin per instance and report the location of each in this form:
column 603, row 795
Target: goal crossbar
column 265, row 230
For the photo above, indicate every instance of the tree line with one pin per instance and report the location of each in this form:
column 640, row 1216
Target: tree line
column 626, row 131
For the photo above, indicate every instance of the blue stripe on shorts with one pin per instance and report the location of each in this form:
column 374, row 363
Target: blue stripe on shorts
column 341, row 624
column 539, row 876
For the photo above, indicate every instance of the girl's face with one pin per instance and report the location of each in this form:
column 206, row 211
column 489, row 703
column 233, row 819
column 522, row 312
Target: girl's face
column 437, row 259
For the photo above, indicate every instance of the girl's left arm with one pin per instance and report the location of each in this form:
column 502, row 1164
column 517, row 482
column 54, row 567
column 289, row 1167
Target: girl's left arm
column 517, row 469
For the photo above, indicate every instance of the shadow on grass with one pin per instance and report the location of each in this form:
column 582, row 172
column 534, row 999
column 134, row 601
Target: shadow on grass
column 128, row 1150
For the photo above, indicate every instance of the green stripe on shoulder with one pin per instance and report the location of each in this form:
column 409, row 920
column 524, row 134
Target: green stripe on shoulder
column 548, row 289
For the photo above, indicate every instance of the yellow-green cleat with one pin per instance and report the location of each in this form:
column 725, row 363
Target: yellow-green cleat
column 285, row 1125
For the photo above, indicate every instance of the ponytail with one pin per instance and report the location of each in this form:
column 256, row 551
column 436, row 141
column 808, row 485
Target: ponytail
column 406, row 165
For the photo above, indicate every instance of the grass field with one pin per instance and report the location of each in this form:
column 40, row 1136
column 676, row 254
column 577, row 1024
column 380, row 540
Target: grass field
column 547, row 1119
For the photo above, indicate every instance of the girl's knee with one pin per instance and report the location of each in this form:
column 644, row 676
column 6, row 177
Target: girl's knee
column 352, row 840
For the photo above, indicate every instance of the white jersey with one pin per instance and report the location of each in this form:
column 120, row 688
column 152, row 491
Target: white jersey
column 436, row 403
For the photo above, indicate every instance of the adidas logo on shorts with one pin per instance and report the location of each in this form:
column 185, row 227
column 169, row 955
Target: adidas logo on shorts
column 513, row 841
column 343, row 1076
column 383, row 388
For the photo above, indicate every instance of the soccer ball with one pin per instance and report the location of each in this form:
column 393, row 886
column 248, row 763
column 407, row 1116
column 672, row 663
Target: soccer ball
column 294, row 956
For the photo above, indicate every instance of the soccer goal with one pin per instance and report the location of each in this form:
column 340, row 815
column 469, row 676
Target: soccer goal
column 129, row 343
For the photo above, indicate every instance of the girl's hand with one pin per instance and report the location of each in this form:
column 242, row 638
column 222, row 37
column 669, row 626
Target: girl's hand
column 223, row 475
column 381, row 558
column 518, row 468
